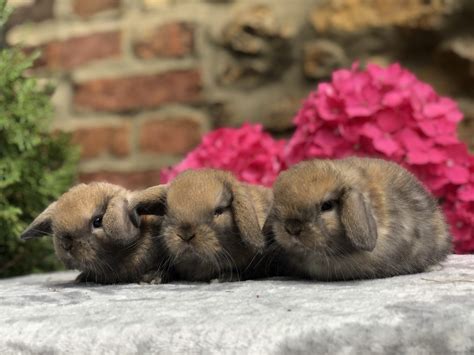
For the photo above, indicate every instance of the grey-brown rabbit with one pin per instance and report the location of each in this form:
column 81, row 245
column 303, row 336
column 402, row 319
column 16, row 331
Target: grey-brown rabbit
column 356, row 218
column 212, row 224
column 96, row 231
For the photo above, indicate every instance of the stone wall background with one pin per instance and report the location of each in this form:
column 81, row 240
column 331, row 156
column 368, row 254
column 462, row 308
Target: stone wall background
column 139, row 81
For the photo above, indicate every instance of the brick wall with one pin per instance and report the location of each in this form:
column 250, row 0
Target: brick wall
column 139, row 81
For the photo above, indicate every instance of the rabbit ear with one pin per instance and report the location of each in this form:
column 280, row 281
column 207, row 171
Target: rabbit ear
column 245, row 216
column 358, row 220
column 118, row 221
column 150, row 201
column 41, row 226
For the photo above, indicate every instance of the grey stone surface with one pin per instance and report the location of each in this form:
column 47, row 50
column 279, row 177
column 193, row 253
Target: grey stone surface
column 429, row 313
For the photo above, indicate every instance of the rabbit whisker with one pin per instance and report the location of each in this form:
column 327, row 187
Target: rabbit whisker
column 232, row 263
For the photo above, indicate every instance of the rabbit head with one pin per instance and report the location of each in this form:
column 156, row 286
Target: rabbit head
column 92, row 226
column 357, row 218
column 317, row 210
column 210, row 218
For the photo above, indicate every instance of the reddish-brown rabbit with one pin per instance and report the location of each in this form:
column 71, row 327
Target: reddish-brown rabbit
column 212, row 224
column 95, row 231
column 356, row 218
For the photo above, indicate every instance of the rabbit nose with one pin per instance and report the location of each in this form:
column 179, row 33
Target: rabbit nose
column 186, row 232
column 66, row 242
column 293, row 227
column 187, row 236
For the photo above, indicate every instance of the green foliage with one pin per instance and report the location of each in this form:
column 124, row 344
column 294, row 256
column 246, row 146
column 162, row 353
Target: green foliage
column 35, row 166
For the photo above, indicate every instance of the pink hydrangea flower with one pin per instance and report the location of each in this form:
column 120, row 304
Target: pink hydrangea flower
column 249, row 152
column 389, row 113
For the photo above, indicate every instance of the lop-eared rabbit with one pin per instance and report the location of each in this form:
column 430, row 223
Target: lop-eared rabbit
column 356, row 218
column 212, row 224
column 96, row 230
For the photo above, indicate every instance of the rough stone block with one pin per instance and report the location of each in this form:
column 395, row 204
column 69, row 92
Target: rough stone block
column 258, row 47
column 356, row 15
column 322, row 57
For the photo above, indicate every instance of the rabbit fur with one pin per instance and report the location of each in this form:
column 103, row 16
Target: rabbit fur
column 212, row 224
column 356, row 218
column 95, row 230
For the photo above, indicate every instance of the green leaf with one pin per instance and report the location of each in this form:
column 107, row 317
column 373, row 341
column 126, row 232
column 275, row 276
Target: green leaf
column 35, row 165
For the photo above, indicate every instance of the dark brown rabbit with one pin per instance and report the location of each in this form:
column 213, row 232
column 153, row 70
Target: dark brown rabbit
column 356, row 218
column 95, row 231
column 212, row 224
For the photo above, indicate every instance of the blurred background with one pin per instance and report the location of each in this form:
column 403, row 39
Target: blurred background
column 138, row 82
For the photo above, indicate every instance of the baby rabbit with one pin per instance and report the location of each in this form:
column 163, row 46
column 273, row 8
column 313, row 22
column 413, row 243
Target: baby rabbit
column 356, row 218
column 94, row 232
column 212, row 224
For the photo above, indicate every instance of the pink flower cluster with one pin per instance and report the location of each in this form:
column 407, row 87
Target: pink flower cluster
column 389, row 113
column 249, row 152
column 382, row 112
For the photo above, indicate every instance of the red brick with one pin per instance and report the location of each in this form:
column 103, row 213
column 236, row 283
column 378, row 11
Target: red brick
column 95, row 141
column 138, row 92
column 86, row 8
column 39, row 11
column 169, row 40
column 170, row 136
column 77, row 51
column 130, row 180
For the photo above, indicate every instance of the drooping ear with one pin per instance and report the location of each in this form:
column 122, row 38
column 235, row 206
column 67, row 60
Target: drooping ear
column 42, row 225
column 151, row 201
column 359, row 221
column 118, row 222
column 245, row 215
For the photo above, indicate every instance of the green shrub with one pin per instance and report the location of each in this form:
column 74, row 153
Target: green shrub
column 35, row 166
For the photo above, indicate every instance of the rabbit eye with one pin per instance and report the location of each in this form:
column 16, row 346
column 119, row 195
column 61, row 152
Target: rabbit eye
column 328, row 206
column 97, row 222
column 219, row 210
